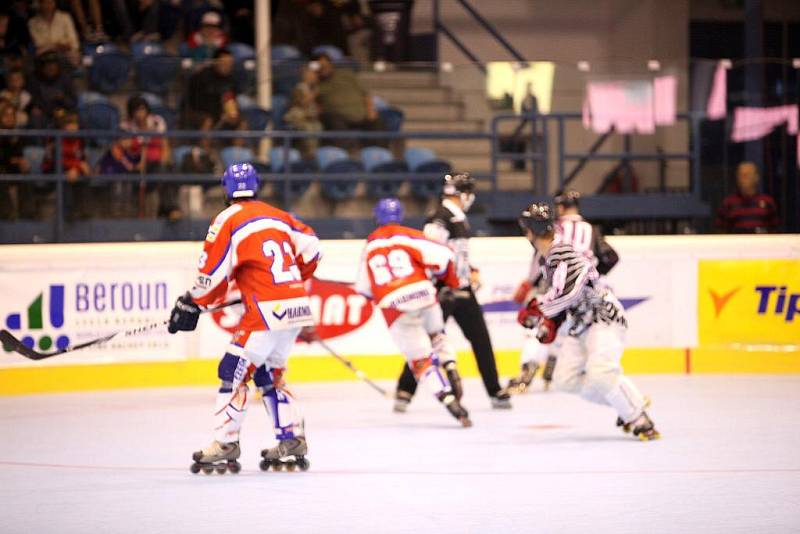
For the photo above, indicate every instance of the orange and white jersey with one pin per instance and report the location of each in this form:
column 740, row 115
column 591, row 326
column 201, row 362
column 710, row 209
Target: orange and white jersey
column 269, row 254
column 396, row 267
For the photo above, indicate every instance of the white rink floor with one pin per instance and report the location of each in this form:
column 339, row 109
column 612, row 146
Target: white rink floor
column 113, row 462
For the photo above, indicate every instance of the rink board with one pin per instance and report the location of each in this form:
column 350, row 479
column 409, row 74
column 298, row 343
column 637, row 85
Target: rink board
column 695, row 304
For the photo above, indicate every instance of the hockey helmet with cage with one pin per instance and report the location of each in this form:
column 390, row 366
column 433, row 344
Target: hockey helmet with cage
column 567, row 198
column 240, row 180
column 388, row 210
column 460, row 185
column 538, row 218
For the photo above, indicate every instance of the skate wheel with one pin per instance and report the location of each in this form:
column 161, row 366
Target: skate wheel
column 234, row 467
column 291, row 466
column 208, row 469
column 195, row 468
column 221, row 469
column 303, row 464
column 264, row 465
column 277, row 465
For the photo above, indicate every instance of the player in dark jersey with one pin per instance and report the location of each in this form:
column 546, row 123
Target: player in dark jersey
column 449, row 225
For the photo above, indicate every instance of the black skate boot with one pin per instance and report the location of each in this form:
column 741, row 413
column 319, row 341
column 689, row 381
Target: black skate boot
column 401, row 401
column 454, row 407
column 547, row 374
column 644, row 429
column 288, row 454
column 521, row 383
column 454, row 378
column 501, row 400
column 627, row 427
column 219, row 457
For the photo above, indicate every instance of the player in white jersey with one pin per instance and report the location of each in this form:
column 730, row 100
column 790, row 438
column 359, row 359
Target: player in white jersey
column 592, row 345
column 585, row 239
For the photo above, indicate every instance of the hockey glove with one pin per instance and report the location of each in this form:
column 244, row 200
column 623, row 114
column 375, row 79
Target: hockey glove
column 532, row 317
column 308, row 334
column 446, row 295
column 184, row 315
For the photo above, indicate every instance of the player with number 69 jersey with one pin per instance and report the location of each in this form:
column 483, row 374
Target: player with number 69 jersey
column 269, row 254
column 395, row 272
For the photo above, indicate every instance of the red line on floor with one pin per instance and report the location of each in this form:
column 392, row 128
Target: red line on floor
column 688, row 361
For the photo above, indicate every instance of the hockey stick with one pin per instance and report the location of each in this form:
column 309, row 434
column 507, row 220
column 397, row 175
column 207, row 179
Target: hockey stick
column 12, row 343
column 359, row 373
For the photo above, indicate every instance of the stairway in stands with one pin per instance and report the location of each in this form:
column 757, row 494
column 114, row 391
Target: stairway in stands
column 429, row 106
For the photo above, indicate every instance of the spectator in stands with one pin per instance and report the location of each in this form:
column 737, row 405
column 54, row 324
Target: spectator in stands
column 14, row 37
column 747, row 211
column 344, row 104
column 73, row 165
column 120, row 158
column 231, row 119
column 152, row 154
column 13, row 162
column 294, row 24
column 16, row 94
column 241, row 14
column 146, row 20
column 303, row 116
column 53, row 30
column 208, row 38
column 51, row 89
column 207, row 89
column 91, row 32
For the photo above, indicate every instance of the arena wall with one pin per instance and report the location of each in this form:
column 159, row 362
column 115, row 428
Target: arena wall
column 695, row 304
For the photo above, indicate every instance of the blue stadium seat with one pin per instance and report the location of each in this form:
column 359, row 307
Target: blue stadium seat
column 179, row 152
column 231, row 155
column 285, row 53
column 109, row 70
column 169, row 115
column 153, row 100
column 296, row 165
column 335, row 160
column 392, row 118
column 156, row 71
column 87, row 97
column 423, row 160
column 241, row 51
column 34, row 155
column 280, row 105
column 99, row 115
column 331, row 51
column 379, row 160
column 379, row 102
column 256, row 118
column 144, row 48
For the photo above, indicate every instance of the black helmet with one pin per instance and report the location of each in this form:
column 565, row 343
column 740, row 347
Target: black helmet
column 457, row 183
column 538, row 218
column 567, row 198
column 461, row 185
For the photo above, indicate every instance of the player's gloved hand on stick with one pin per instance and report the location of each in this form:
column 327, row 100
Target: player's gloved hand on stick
column 522, row 292
column 308, row 334
column 184, row 315
column 532, row 317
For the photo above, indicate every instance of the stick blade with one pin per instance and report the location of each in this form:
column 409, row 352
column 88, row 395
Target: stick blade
column 11, row 343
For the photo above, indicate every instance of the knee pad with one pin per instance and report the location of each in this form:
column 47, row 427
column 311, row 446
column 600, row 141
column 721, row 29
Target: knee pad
column 232, row 371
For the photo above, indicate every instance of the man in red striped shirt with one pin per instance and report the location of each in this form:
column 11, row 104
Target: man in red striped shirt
column 747, row 211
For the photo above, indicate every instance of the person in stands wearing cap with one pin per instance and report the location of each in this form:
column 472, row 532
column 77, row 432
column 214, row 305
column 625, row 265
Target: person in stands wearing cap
column 208, row 38
column 747, row 211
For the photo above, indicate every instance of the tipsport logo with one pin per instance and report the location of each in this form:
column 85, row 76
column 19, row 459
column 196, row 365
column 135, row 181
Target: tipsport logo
column 772, row 300
column 34, row 324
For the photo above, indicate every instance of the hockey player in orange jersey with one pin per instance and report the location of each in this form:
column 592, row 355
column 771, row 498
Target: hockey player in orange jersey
column 269, row 254
column 395, row 273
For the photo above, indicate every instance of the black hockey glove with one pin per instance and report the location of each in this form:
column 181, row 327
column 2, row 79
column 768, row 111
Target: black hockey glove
column 446, row 295
column 184, row 315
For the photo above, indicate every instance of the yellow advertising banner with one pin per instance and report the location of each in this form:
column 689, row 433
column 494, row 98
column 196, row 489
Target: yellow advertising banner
column 749, row 302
